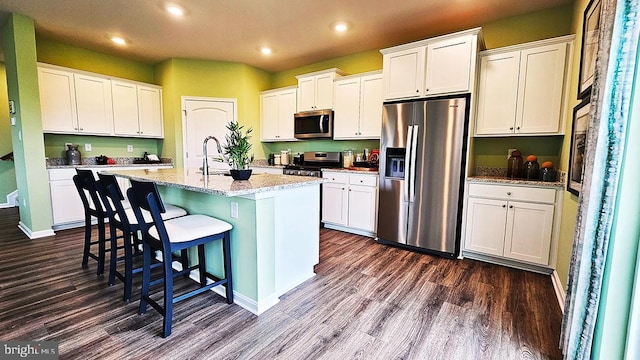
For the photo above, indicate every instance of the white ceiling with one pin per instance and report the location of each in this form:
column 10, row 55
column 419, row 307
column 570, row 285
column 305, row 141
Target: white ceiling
column 233, row 30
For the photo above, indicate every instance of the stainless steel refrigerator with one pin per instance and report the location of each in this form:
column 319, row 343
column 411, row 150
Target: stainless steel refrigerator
column 422, row 160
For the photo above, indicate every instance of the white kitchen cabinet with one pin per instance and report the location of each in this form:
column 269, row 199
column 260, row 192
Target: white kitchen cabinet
column 137, row 110
column 315, row 90
column 349, row 202
column 66, row 206
column 93, row 104
column 404, row 73
column 436, row 66
column 276, row 114
column 73, row 103
column 358, row 107
column 522, row 89
column 450, row 64
column 510, row 222
column 77, row 102
column 57, row 100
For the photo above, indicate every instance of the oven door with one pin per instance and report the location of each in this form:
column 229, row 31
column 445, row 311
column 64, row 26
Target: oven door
column 313, row 124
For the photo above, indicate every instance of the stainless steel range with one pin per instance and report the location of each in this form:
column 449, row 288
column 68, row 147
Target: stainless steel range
column 312, row 163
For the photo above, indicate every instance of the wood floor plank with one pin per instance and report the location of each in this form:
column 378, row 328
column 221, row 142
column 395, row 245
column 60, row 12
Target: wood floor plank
column 367, row 301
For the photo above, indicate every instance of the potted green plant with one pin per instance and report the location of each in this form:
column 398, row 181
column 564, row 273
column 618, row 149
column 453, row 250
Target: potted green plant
column 236, row 151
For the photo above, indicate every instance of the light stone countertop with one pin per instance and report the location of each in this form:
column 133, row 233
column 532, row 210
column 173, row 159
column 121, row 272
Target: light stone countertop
column 223, row 185
column 502, row 180
column 351, row 170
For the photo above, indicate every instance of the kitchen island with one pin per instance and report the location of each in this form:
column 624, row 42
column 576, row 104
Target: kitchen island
column 276, row 221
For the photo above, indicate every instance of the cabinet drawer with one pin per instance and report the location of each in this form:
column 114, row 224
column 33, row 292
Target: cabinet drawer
column 334, row 177
column 61, row 174
column 519, row 193
column 366, row 180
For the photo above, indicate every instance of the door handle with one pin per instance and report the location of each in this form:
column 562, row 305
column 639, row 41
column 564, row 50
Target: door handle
column 321, row 127
column 407, row 158
column 412, row 166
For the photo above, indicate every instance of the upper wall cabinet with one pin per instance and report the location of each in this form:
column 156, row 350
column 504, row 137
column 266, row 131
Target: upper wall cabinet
column 315, row 90
column 358, row 107
column 276, row 114
column 442, row 65
column 76, row 102
column 137, row 109
column 522, row 89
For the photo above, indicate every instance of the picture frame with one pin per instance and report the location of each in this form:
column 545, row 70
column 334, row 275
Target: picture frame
column 579, row 130
column 589, row 51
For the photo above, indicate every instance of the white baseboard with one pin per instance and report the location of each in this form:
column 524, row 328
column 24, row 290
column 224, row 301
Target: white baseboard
column 557, row 286
column 35, row 234
column 241, row 300
column 12, row 200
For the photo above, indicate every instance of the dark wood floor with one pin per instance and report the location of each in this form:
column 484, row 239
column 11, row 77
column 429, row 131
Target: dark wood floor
column 367, row 301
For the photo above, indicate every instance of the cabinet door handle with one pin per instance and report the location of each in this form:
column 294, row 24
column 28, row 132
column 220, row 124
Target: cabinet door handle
column 509, row 193
column 511, row 128
column 518, row 128
column 504, row 206
column 510, row 206
column 81, row 129
column 417, row 90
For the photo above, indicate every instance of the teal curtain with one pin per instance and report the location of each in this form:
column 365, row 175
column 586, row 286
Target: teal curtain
column 610, row 105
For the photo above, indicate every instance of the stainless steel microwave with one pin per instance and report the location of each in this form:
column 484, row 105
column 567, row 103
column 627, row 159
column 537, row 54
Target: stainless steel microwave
column 313, row 124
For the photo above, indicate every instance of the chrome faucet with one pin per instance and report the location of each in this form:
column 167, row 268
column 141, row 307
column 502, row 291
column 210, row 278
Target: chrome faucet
column 205, row 154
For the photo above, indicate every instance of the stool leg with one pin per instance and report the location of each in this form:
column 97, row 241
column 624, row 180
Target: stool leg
column 202, row 268
column 184, row 260
column 146, row 277
column 113, row 259
column 87, row 241
column 128, row 264
column 101, row 247
column 226, row 249
column 168, row 292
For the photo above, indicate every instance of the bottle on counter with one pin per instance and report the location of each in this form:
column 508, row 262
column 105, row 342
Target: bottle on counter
column 73, row 155
column 284, row 157
column 531, row 168
column 514, row 168
column 347, row 158
column 272, row 159
column 548, row 173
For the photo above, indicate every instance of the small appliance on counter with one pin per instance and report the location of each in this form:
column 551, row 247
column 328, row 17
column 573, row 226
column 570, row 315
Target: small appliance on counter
column 102, row 160
column 73, row 155
column 147, row 159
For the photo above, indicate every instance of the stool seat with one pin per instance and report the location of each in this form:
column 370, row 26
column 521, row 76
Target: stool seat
column 172, row 212
column 191, row 227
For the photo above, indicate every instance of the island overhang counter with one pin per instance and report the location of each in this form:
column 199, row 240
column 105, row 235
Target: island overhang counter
column 275, row 240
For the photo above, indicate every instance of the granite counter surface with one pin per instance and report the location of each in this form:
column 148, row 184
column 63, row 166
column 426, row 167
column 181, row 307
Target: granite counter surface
column 218, row 184
column 502, row 180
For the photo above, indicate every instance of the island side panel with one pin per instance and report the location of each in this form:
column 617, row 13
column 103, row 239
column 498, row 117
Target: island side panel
column 244, row 261
column 297, row 236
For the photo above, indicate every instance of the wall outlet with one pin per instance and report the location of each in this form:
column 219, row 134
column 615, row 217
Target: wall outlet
column 87, row 147
column 234, row 209
column 509, row 153
column 129, row 148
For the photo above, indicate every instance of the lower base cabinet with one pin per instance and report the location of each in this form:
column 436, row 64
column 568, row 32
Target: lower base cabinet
column 515, row 223
column 349, row 202
column 66, row 206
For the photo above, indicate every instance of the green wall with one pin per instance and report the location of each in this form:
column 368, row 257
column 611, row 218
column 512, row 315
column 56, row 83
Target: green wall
column 492, row 152
column 7, row 169
column 216, row 79
column 19, row 46
column 570, row 201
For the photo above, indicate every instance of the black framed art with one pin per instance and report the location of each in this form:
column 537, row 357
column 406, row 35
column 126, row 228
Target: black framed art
column 581, row 121
column 589, row 53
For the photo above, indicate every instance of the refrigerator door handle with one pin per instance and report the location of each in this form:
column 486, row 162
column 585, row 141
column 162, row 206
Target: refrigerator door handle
column 407, row 157
column 412, row 165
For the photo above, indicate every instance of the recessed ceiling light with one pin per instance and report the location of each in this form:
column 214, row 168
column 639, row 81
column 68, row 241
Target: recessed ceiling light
column 118, row 40
column 266, row 50
column 340, row 26
column 175, row 10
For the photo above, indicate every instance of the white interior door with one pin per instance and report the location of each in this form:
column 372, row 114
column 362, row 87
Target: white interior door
column 204, row 117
